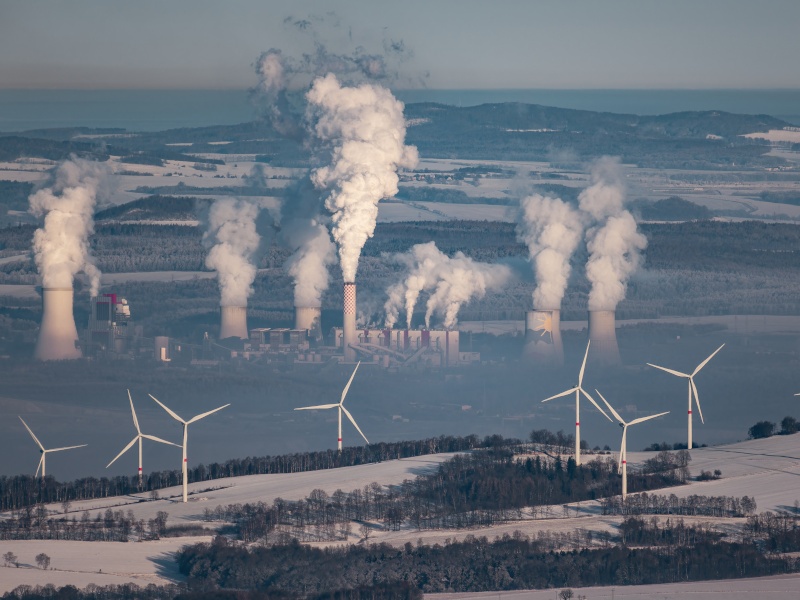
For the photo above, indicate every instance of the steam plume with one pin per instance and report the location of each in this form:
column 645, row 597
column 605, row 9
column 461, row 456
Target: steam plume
column 367, row 129
column 552, row 231
column 234, row 244
column 451, row 283
column 614, row 244
column 61, row 244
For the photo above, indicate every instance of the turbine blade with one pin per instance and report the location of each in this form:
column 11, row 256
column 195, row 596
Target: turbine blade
column 678, row 373
column 641, row 419
column 318, row 407
column 124, row 450
column 611, row 408
column 353, row 421
column 205, row 414
column 133, row 412
column 596, row 405
column 583, row 366
column 705, row 362
column 66, row 448
column 172, row 414
column 697, row 400
column 158, row 439
column 347, row 387
column 562, row 394
column 38, row 468
column 35, row 439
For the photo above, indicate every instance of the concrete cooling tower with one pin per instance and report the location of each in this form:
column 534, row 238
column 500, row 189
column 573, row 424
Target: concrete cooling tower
column 349, row 322
column 603, row 335
column 57, row 333
column 543, row 344
column 234, row 322
column 309, row 319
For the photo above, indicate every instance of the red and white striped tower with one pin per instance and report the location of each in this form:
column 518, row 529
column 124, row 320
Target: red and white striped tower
column 349, row 322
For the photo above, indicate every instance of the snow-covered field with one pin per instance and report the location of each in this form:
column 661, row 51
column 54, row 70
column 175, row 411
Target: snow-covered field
column 776, row 135
column 768, row 470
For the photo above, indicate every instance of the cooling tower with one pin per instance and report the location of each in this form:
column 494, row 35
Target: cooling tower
column 603, row 335
column 543, row 338
column 310, row 319
column 234, row 322
column 349, row 322
column 57, row 334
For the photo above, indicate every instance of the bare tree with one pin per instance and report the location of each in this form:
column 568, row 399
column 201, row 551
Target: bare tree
column 10, row 558
column 43, row 561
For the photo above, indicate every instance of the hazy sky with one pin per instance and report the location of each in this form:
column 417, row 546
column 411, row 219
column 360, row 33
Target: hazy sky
column 459, row 43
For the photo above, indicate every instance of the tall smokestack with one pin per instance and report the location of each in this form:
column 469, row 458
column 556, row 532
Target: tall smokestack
column 234, row 322
column 603, row 335
column 349, row 322
column 543, row 344
column 310, row 319
column 57, row 334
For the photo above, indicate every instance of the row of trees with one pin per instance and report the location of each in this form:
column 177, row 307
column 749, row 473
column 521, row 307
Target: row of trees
column 694, row 505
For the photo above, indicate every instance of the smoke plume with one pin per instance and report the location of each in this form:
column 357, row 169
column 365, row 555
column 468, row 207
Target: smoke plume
column 614, row 243
column 552, row 231
column 451, row 282
column 234, row 246
column 61, row 244
column 365, row 124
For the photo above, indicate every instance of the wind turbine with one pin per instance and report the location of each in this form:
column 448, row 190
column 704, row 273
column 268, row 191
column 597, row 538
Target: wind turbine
column 185, row 438
column 578, row 389
column 623, row 450
column 43, row 451
column 138, row 438
column 692, row 388
column 340, row 406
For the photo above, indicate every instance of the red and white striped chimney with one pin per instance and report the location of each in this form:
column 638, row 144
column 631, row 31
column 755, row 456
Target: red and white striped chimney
column 349, row 322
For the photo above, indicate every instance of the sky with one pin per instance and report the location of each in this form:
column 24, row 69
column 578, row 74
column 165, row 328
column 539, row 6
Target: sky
column 454, row 44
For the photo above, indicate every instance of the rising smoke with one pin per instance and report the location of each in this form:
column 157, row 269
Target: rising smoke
column 61, row 244
column 551, row 230
column 235, row 244
column 451, row 282
column 366, row 128
column 614, row 244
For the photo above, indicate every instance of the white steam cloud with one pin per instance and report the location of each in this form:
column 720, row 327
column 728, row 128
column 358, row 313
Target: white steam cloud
column 552, row 230
column 451, row 282
column 61, row 245
column 365, row 124
column 614, row 244
column 308, row 266
column 234, row 244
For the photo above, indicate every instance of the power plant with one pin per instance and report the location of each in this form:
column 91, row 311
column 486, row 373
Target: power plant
column 543, row 344
column 58, row 335
column 233, row 322
column 349, row 322
column 603, row 336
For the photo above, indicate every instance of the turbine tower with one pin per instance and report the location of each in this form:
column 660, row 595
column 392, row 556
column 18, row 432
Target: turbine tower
column 623, row 450
column 340, row 406
column 185, row 438
column 138, row 438
column 692, row 389
column 44, row 451
column 578, row 389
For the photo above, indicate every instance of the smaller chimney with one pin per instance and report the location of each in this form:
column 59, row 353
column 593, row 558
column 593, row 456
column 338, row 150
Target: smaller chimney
column 234, row 322
column 543, row 346
column 349, row 322
column 310, row 319
column 603, row 335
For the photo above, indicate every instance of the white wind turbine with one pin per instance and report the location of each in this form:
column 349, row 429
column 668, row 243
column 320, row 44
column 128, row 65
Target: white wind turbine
column 578, row 389
column 340, row 406
column 185, row 439
column 44, row 451
column 623, row 450
column 138, row 438
column 692, row 389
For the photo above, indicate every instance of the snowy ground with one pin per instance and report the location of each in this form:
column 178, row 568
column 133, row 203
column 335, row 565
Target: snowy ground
column 768, row 470
column 762, row 588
